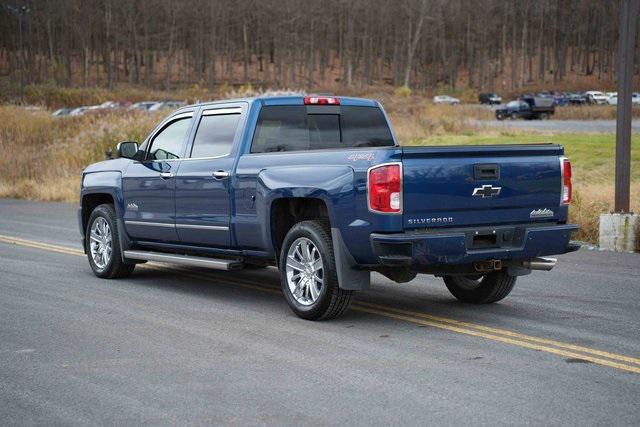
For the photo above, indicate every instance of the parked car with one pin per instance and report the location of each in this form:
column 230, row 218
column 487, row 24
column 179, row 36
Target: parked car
column 613, row 98
column 79, row 111
column 62, row 112
column 112, row 105
column 595, row 97
column 489, row 98
column 319, row 187
column 144, row 106
column 445, row 99
column 166, row 105
column 576, row 99
column 560, row 99
column 529, row 107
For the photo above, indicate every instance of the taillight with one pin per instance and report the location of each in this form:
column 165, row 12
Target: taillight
column 385, row 188
column 321, row 100
column 566, row 181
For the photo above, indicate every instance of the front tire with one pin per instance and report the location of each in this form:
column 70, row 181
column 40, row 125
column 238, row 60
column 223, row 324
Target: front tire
column 482, row 289
column 308, row 273
column 102, row 244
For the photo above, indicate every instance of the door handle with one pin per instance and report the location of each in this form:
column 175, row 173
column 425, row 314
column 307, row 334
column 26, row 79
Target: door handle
column 221, row 174
column 166, row 175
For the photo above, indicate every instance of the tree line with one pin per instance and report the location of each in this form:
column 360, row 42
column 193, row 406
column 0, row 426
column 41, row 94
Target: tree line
column 302, row 43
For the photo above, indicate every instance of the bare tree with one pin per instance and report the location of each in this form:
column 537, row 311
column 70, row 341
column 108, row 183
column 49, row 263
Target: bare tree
column 416, row 43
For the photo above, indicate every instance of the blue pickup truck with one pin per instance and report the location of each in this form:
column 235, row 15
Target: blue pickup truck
column 320, row 188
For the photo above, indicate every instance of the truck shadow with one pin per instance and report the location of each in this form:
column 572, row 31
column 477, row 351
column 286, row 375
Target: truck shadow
column 425, row 295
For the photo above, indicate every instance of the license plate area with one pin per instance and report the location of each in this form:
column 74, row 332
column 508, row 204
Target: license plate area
column 492, row 237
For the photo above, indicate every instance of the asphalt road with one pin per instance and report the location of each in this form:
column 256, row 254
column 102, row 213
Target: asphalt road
column 569, row 126
column 172, row 345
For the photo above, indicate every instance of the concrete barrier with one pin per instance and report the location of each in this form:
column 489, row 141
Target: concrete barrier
column 620, row 232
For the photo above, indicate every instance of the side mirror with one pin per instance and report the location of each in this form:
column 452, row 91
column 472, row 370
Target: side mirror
column 127, row 149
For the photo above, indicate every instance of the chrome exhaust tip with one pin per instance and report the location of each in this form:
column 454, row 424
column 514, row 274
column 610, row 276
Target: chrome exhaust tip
column 544, row 264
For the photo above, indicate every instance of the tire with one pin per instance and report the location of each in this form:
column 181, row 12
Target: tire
column 330, row 301
column 111, row 266
column 484, row 289
column 500, row 116
column 544, row 116
column 513, row 116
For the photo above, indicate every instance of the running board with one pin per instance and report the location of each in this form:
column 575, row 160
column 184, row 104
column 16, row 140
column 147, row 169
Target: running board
column 196, row 261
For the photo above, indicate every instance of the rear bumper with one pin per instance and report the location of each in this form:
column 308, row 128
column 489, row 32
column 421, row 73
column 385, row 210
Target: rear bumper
column 424, row 249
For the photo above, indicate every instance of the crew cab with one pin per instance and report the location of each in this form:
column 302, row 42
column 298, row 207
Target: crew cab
column 319, row 188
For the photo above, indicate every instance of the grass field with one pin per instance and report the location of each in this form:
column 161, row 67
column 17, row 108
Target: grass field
column 42, row 157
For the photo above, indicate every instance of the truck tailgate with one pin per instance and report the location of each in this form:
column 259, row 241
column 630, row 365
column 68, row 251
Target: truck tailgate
column 481, row 185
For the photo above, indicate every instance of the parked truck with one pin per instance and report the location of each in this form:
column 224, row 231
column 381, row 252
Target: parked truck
column 528, row 108
column 319, row 188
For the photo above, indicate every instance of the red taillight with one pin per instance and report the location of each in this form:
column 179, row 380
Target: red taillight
column 566, row 181
column 385, row 189
column 321, row 100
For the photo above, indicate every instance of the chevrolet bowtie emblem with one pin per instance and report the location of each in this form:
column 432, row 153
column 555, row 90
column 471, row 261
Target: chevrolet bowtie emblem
column 486, row 191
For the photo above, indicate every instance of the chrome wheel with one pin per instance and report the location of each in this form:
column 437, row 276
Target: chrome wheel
column 100, row 242
column 305, row 271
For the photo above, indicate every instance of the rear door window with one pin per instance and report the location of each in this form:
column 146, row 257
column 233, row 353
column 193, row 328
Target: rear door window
column 296, row 128
column 215, row 134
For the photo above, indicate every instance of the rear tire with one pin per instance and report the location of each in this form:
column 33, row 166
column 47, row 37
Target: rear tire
column 485, row 289
column 308, row 273
column 102, row 244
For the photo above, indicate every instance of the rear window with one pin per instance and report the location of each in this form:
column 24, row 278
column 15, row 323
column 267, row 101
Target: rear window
column 296, row 128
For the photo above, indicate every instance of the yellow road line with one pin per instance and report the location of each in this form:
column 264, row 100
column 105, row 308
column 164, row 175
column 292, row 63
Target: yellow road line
column 507, row 333
column 505, row 340
column 40, row 245
column 495, row 334
column 453, row 325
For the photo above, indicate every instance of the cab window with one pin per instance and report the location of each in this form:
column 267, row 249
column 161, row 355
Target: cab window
column 215, row 135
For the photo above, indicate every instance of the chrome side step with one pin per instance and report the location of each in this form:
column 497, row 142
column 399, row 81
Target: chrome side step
column 196, row 261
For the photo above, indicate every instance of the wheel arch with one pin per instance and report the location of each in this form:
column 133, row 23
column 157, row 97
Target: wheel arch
column 91, row 201
column 285, row 212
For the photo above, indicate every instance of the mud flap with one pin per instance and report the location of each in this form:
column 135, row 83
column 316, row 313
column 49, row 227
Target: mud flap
column 349, row 277
column 125, row 242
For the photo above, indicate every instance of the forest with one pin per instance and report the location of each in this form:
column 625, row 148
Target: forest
column 480, row 44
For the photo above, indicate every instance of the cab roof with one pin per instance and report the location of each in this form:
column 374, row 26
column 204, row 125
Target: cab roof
column 288, row 100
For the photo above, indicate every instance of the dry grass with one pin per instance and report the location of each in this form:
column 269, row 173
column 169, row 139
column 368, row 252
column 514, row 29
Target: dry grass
column 590, row 112
column 42, row 157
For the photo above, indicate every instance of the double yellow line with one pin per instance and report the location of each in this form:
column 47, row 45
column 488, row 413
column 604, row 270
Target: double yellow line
column 505, row 336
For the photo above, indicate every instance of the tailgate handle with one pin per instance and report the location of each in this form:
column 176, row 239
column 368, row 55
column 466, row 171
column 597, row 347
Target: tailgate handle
column 486, row 171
